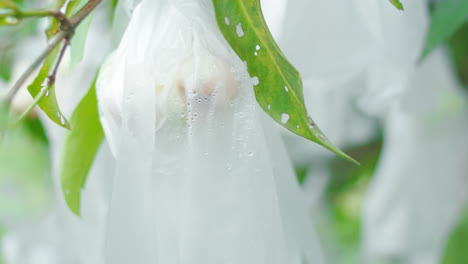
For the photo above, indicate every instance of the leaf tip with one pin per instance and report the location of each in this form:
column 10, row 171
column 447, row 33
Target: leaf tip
column 73, row 201
column 397, row 4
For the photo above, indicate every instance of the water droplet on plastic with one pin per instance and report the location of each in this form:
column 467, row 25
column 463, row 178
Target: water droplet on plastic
column 284, row 118
column 239, row 30
column 251, row 154
column 193, row 93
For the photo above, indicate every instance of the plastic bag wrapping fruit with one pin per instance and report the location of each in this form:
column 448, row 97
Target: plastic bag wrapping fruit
column 201, row 175
column 354, row 67
column 418, row 193
column 337, row 40
column 419, row 189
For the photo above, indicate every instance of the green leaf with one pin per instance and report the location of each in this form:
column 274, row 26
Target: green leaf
column 458, row 45
column 79, row 149
column 279, row 88
column 455, row 247
column 54, row 24
column 397, row 4
column 49, row 102
column 447, row 17
column 78, row 41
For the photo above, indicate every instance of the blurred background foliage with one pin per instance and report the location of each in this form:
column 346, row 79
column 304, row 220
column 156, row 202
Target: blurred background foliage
column 25, row 183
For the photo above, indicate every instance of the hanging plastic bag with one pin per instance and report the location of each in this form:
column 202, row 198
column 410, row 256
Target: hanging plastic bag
column 201, row 175
column 419, row 189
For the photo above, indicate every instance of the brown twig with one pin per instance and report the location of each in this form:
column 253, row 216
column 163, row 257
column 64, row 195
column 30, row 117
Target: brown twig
column 51, row 78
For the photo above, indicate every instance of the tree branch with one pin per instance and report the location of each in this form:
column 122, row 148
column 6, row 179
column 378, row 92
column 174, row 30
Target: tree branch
column 67, row 29
column 51, row 46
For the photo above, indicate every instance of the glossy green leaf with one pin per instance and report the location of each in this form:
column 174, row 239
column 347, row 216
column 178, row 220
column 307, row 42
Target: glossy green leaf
column 80, row 148
column 397, row 4
column 49, row 102
column 78, row 41
column 447, row 17
column 278, row 86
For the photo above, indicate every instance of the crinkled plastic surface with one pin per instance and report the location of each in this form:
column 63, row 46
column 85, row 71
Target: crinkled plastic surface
column 201, row 175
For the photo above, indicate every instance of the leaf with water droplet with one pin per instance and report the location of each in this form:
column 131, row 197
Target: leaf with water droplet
column 79, row 149
column 48, row 103
column 279, row 88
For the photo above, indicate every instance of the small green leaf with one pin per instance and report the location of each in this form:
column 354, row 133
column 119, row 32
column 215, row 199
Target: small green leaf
column 79, row 149
column 54, row 24
column 78, row 41
column 447, row 17
column 397, row 4
column 49, row 102
column 278, row 86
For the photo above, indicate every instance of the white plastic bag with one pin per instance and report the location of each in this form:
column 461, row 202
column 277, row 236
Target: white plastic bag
column 419, row 189
column 200, row 178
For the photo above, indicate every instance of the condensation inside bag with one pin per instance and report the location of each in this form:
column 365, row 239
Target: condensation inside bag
column 201, row 176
